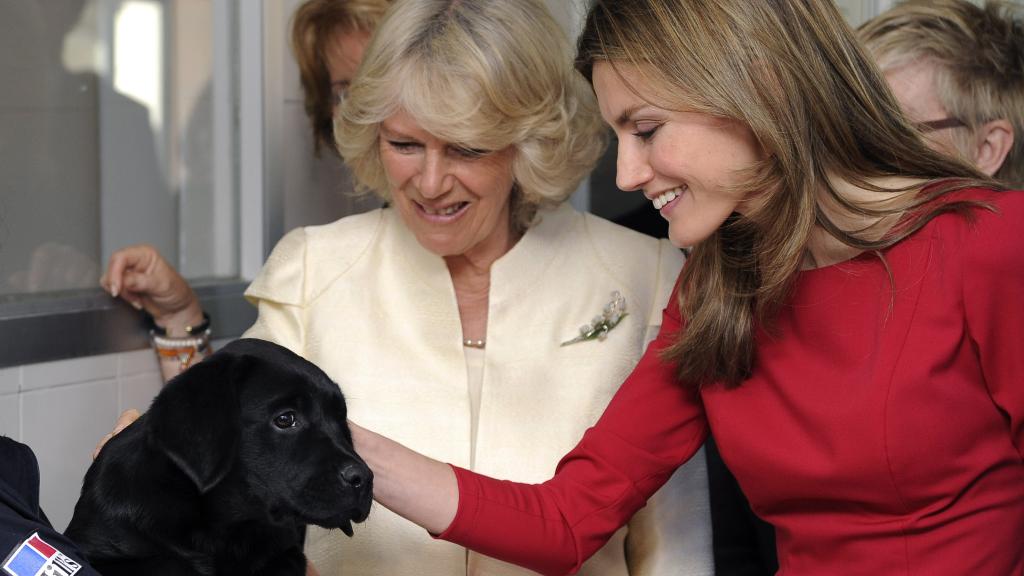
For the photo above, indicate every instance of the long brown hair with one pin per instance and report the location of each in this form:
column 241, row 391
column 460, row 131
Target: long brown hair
column 792, row 71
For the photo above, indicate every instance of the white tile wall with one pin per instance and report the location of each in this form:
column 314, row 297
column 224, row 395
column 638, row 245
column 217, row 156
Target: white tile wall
column 61, row 409
column 62, row 425
column 10, row 380
column 10, row 421
column 138, row 391
column 65, row 372
column 138, row 362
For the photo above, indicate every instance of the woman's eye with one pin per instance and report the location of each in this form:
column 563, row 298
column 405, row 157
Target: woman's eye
column 645, row 131
column 403, row 146
column 469, row 153
column 286, row 420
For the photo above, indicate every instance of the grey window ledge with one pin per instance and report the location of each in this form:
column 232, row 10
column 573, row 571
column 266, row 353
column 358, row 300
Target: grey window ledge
column 44, row 328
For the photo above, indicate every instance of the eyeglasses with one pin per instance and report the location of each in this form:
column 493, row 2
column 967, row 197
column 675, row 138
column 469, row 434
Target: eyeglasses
column 940, row 124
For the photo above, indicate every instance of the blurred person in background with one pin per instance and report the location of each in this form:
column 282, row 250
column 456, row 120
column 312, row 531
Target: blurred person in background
column 957, row 70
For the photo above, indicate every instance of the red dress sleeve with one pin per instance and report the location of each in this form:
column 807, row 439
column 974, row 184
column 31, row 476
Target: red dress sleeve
column 993, row 284
column 651, row 426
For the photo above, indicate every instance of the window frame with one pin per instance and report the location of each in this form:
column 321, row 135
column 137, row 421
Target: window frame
column 45, row 327
column 90, row 323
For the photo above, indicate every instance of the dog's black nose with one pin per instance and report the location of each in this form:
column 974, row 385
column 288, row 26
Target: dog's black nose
column 355, row 475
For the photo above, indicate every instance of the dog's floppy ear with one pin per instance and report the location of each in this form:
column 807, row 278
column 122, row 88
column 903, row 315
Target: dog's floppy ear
column 195, row 420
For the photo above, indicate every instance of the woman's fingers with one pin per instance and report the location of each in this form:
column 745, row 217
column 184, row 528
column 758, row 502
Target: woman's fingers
column 132, row 258
column 123, row 421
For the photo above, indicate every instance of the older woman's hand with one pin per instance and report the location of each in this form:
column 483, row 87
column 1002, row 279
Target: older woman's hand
column 141, row 276
column 127, row 417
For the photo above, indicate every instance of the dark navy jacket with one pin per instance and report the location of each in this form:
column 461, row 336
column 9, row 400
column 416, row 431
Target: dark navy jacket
column 28, row 543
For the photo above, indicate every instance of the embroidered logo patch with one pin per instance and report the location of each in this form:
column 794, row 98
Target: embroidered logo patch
column 33, row 557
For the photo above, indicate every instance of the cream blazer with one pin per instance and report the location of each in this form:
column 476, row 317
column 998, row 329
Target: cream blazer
column 376, row 311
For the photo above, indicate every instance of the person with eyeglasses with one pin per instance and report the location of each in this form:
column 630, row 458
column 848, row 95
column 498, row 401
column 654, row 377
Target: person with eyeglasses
column 957, row 70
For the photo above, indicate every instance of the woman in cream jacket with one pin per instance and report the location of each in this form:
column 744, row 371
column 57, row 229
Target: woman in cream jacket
column 449, row 310
column 455, row 309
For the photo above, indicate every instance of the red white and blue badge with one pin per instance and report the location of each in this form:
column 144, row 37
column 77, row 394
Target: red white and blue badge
column 33, row 557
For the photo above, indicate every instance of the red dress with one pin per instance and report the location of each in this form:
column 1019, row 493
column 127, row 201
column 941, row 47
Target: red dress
column 882, row 431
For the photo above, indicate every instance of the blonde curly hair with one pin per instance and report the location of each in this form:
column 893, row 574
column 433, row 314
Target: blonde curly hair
column 482, row 74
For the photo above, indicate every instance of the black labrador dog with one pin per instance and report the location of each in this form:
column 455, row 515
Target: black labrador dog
column 221, row 476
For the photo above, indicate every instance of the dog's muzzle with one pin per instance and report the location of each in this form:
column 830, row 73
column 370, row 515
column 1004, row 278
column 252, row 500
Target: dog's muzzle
column 357, row 478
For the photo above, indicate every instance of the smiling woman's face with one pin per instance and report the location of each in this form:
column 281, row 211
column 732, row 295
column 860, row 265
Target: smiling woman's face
column 456, row 201
column 684, row 162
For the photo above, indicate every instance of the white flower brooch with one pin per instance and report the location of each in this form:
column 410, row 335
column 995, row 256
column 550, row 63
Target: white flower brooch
column 603, row 323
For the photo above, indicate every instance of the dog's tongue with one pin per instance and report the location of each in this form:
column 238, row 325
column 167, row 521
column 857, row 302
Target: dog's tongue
column 347, row 528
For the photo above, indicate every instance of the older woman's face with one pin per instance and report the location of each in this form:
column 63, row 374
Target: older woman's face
column 456, row 201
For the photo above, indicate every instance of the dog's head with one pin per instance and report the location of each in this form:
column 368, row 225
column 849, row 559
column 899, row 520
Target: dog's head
column 257, row 414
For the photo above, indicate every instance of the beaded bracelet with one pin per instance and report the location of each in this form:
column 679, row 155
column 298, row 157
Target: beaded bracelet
column 193, row 331
column 184, row 350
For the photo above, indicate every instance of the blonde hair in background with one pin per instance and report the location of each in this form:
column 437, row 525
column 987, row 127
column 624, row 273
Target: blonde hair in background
column 314, row 24
column 482, row 75
column 793, row 72
column 979, row 58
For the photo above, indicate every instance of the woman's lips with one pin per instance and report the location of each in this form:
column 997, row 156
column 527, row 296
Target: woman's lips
column 443, row 214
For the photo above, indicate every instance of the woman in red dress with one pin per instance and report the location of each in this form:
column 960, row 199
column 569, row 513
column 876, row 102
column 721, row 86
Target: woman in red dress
column 848, row 323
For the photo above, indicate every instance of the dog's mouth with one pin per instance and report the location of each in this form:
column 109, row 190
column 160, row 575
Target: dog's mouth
column 352, row 509
column 357, row 515
column 345, row 523
column 343, row 520
column 346, row 527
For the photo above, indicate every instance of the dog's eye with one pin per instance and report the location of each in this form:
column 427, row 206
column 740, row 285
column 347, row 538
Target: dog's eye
column 285, row 420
